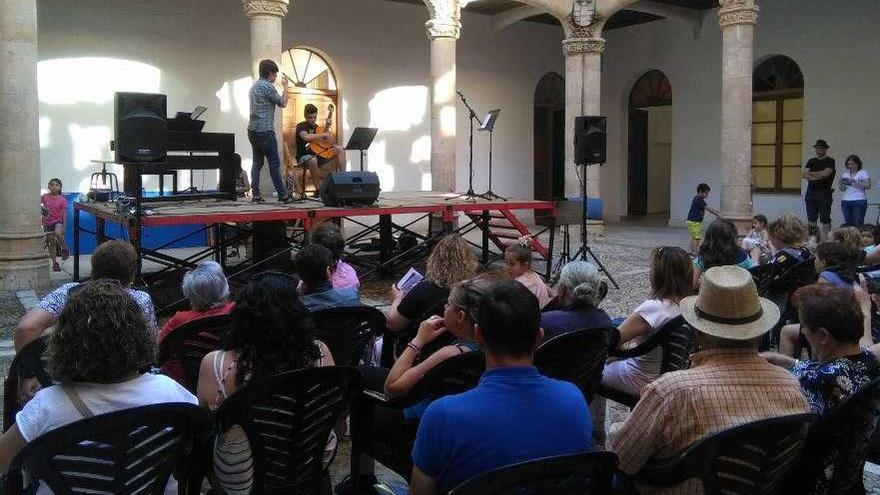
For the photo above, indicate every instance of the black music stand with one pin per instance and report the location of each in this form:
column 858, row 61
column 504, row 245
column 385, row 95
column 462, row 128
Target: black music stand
column 360, row 140
column 489, row 126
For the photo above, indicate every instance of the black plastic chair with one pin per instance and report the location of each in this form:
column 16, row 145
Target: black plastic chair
column 181, row 352
column 29, row 362
column 287, row 419
column 837, row 446
column 748, row 459
column 577, row 357
column 590, row 473
column 675, row 338
column 132, row 451
column 348, row 331
column 393, row 448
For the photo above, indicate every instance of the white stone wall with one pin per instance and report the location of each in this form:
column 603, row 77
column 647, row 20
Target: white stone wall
column 834, row 42
column 197, row 52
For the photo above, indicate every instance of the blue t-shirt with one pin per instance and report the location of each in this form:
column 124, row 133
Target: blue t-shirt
column 563, row 321
column 514, row 415
column 698, row 209
column 834, row 278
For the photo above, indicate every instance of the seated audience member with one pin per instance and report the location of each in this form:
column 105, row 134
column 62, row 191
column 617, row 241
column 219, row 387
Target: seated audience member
column 99, row 346
column 719, row 248
column 581, row 290
column 870, row 233
column 499, row 422
column 451, row 261
column 671, row 281
column 757, row 241
column 728, row 383
column 518, row 258
column 832, row 323
column 315, row 265
column 115, row 260
column 849, row 236
column 329, row 236
column 270, row 334
column 207, row 291
column 787, row 236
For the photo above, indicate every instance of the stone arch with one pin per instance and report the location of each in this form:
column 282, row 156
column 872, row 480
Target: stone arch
column 649, row 167
column 549, row 137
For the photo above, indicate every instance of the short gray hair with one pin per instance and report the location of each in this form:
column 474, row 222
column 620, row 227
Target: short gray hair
column 582, row 284
column 206, row 286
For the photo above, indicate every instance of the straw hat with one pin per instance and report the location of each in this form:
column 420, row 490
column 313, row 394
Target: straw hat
column 728, row 305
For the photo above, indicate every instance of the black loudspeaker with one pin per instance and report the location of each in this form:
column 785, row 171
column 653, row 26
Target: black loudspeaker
column 140, row 127
column 350, row 188
column 589, row 140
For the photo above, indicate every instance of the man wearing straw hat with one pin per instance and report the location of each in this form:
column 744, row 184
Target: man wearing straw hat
column 728, row 383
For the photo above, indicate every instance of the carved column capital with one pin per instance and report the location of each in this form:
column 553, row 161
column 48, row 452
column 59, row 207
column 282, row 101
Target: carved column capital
column 735, row 12
column 580, row 46
column 443, row 28
column 272, row 8
column 594, row 30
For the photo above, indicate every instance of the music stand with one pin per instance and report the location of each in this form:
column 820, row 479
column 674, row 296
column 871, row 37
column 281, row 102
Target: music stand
column 360, row 140
column 489, row 126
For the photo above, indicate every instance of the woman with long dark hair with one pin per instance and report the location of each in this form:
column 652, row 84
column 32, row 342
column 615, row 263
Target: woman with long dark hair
column 271, row 333
column 720, row 248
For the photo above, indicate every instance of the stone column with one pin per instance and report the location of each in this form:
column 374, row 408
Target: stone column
column 443, row 33
column 737, row 19
column 23, row 262
column 583, row 91
column 265, row 19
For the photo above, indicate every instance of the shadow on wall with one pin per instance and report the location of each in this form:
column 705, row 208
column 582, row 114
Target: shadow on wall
column 401, row 161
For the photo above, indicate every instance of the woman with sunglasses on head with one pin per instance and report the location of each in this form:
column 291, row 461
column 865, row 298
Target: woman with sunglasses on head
column 271, row 333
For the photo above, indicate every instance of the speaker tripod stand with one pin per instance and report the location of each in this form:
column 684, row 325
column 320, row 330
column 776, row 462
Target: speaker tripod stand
column 584, row 250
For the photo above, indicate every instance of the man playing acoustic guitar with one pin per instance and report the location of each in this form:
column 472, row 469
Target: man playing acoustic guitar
column 316, row 149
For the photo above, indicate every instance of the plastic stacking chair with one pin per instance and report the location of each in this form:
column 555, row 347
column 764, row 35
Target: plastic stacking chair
column 132, row 451
column 454, row 375
column 348, row 331
column 287, row 419
column 837, row 446
column 589, row 473
column 29, row 362
column 675, row 338
column 181, row 352
column 749, row 459
column 577, row 357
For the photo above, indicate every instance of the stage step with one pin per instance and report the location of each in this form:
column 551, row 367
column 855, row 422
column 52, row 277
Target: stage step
column 501, row 228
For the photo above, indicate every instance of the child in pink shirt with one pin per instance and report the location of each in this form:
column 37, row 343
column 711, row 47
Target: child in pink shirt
column 54, row 209
column 518, row 257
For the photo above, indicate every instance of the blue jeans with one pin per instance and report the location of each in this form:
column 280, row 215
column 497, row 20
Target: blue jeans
column 265, row 145
column 854, row 211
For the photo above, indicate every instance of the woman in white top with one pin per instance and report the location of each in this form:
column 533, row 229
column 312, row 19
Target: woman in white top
column 99, row 345
column 853, row 183
column 270, row 333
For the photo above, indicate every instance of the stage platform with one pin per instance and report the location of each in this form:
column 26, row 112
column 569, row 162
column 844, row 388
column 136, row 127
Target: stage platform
column 232, row 222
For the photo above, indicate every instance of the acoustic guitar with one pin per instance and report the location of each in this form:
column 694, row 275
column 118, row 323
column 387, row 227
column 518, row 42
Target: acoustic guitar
column 325, row 148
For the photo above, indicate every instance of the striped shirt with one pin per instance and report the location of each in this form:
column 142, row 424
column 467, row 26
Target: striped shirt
column 724, row 388
column 264, row 98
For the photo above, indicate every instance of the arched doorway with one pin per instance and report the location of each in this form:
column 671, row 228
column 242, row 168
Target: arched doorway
column 315, row 82
column 777, row 126
column 650, row 146
column 549, row 138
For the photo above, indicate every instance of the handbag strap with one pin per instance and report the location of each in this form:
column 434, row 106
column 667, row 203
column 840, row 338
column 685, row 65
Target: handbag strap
column 77, row 401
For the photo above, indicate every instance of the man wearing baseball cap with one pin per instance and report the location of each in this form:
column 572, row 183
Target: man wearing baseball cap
column 728, row 383
column 819, row 174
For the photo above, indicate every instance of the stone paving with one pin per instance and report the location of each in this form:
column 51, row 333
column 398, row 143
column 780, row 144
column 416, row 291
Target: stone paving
column 623, row 250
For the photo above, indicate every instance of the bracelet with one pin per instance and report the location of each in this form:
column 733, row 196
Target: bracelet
column 414, row 347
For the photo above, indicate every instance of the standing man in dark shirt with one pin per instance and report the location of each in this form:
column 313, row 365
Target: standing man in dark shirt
column 819, row 173
column 261, row 128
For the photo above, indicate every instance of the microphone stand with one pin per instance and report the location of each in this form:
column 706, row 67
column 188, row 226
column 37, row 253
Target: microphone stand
column 470, row 194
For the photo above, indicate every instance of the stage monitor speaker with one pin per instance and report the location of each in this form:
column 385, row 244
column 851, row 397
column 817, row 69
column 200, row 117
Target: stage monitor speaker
column 350, row 188
column 589, row 140
column 140, row 127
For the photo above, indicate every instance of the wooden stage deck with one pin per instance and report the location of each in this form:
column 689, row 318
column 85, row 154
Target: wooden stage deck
column 389, row 203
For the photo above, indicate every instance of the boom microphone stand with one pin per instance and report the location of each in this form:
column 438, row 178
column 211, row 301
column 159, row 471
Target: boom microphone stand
column 470, row 194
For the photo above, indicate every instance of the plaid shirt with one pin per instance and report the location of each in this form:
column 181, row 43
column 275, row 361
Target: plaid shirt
column 723, row 388
column 264, row 98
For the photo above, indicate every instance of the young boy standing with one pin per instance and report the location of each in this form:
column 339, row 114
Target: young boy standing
column 696, row 214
